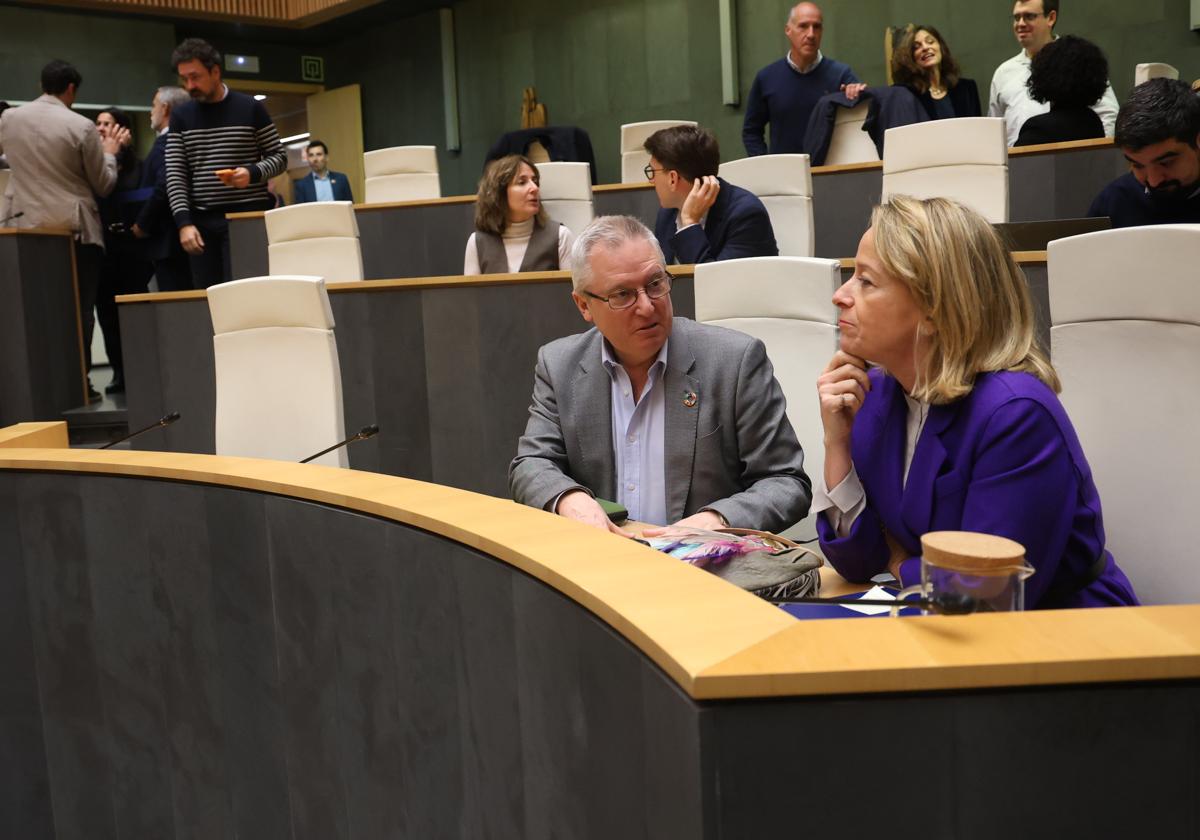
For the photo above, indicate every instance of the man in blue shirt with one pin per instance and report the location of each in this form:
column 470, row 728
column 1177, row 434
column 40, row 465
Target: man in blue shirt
column 785, row 92
column 1158, row 129
column 321, row 184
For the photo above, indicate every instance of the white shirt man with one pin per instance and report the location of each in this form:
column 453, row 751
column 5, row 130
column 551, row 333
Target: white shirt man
column 1033, row 24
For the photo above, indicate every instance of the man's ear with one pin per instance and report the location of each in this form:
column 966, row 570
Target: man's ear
column 581, row 304
column 1051, row 19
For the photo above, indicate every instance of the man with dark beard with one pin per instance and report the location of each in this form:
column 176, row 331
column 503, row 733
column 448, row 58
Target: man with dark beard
column 1158, row 129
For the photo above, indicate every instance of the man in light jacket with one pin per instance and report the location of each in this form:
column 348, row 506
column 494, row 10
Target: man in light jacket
column 60, row 163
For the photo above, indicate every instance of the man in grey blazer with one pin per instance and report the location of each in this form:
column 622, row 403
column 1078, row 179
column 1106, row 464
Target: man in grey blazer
column 682, row 423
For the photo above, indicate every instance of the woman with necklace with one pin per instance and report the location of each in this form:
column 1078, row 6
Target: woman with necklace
column 924, row 64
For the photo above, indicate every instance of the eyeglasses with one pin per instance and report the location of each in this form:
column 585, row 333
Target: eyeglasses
column 650, row 170
column 1027, row 17
column 624, row 298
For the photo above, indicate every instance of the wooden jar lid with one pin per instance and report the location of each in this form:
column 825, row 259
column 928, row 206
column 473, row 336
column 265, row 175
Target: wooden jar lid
column 969, row 551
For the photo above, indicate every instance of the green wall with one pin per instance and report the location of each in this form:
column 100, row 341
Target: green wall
column 122, row 59
column 595, row 64
column 600, row 64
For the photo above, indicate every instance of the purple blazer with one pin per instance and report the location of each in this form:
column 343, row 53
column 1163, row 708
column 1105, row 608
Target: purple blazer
column 1003, row 460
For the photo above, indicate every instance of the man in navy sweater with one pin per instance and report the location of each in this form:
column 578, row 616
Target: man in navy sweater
column 222, row 149
column 1158, row 129
column 785, row 92
column 703, row 218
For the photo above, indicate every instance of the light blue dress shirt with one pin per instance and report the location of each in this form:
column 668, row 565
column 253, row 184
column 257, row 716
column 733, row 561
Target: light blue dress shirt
column 639, row 439
column 324, row 187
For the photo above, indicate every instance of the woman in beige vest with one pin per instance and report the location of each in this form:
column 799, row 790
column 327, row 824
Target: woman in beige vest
column 512, row 231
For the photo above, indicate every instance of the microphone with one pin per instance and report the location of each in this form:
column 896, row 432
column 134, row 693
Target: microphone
column 8, row 219
column 363, row 433
column 165, row 420
column 944, row 603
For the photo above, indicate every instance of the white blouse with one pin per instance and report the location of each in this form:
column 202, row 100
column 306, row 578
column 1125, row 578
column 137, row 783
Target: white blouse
column 516, row 242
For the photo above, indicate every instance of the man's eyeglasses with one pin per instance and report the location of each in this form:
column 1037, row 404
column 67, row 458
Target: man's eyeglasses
column 650, row 170
column 1027, row 17
column 624, row 298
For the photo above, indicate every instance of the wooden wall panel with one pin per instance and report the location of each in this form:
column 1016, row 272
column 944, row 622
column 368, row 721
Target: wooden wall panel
column 285, row 12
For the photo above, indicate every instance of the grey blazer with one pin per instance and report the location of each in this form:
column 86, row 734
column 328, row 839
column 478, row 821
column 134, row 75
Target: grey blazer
column 57, row 164
column 734, row 451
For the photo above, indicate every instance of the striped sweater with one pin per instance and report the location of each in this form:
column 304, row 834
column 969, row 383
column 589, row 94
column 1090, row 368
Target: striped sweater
column 205, row 137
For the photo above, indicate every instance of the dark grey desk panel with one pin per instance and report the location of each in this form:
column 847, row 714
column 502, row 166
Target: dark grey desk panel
column 1060, row 185
column 447, row 373
column 842, row 205
column 40, row 353
column 192, row 661
column 642, row 204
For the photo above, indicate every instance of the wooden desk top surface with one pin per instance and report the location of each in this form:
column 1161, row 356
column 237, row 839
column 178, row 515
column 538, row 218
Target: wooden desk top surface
column 713, row 639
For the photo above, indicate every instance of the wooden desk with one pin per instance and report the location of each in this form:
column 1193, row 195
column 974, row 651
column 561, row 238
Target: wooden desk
column 41, row 339
column 220, row 647
column 427, row 238
column 444, row 366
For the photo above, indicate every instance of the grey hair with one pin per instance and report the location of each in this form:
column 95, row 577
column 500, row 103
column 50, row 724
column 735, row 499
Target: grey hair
column 611, row 232
column 172, row 96
column 792, row 10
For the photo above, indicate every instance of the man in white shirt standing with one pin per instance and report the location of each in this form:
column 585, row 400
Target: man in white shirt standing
column 1033, row 24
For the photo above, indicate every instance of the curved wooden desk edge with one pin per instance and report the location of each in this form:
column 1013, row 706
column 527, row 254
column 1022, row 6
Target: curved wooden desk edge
column 11, row 231
column 665, row 608
column 51, row 434
column 715, row 641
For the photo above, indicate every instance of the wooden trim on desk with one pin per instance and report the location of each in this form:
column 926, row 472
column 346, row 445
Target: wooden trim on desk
column 9, row 231
column 714, row 640
column 862, row 166
column 1069, row 146
column 607, row 188
column 42, row 435
column 362, row 208
column 445, row 281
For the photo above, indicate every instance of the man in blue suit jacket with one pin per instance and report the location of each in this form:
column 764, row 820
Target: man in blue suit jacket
column 703, row 218
column 321, row 184
column 155, row 224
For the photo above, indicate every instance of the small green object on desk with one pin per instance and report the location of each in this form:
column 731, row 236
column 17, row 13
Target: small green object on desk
column 615, row 510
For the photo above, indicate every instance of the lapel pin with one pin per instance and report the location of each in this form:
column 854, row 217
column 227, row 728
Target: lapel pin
column 689, row 399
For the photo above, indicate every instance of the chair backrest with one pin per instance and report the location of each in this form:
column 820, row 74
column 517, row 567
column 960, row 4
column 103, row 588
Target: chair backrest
column 566, row 192
column 849, row 143
column 965, row 159
column 633, row 157
column 1125, row 337
column 787, row 303
column 319, row 238
column 784, row 185
column 1153, row 70
column 279, row 386
column 402, row 173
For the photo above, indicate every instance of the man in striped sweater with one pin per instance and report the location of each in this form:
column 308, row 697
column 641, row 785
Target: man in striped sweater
column 221, row 149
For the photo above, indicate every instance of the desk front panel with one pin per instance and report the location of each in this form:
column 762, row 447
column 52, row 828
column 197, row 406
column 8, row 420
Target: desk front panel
column 427, row 239
column 446, row 372
column 41, row 351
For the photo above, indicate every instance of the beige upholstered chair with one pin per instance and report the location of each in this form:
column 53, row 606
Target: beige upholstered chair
column 1153, row 70
column 402, row 173
column 319, row 238
column 566, row 192
column 633, row 157
column 849, row 143
column 784, row 184
column 965, row 159
column 1125, row 309
column 279, row 386
column 787, row 303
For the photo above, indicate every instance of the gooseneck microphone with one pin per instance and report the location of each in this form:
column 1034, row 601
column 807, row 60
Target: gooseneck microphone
column 8, row 219
column 165, row 420
column 944, row 603
column 362, row 434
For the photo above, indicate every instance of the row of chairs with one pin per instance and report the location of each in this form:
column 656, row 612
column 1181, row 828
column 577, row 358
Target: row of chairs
column 1125, row 358
column 966, row 159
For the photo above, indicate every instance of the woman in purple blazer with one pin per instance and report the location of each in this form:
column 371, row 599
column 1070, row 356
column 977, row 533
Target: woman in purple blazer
column 955, row 425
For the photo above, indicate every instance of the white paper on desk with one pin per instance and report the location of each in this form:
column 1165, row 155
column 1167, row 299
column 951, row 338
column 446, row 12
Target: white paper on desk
column 876, row 593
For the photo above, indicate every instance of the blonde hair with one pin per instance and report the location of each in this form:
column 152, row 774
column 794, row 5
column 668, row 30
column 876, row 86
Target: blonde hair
column 964, row 278
column 491, row 202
